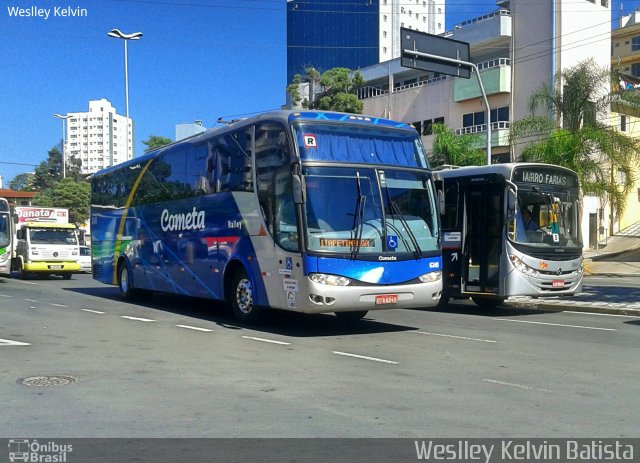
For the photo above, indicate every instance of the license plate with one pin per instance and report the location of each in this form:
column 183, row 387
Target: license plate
column 55, row 267
column 386, row 299
column 558, row 283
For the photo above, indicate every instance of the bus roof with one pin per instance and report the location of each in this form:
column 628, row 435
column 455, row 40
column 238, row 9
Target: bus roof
column 285, row 117
column 505, row 169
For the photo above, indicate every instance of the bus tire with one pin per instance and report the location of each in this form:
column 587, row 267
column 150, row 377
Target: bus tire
column 241, row 298
column 487, row 302
column 350, row 317
column 443, row 302
column 125, row 282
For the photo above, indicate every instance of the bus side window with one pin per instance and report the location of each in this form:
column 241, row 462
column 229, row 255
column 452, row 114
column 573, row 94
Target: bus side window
column 234, row 162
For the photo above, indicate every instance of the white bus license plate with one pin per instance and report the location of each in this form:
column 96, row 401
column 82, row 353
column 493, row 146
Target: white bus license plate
column 55, row 267
column 558, row 283
column 386, row 299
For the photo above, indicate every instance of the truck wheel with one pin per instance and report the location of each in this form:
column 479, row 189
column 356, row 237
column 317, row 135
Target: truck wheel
column 22, row 273
column 241, row 298
column 66, row 276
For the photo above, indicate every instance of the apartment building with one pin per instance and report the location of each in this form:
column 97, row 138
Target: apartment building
column 325, row 35
column 99, row 138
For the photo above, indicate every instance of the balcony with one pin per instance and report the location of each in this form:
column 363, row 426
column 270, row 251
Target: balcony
column 499, row 133
column 496, row 78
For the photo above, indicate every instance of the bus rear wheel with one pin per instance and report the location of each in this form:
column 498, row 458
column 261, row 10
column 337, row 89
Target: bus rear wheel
column 487, row 302
column 351, row 316
column 241, row 298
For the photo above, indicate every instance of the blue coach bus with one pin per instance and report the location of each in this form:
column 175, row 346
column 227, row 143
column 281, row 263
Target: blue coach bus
column 304, row 211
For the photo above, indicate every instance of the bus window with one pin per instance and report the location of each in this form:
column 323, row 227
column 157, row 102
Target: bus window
column 234, row 161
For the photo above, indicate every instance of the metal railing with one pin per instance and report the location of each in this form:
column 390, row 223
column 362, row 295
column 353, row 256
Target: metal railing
column 482, row 128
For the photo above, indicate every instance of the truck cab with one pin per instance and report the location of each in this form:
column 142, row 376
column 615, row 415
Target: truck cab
column 47, row 249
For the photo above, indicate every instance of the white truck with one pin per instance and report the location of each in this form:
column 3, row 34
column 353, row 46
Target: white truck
column 46, row 243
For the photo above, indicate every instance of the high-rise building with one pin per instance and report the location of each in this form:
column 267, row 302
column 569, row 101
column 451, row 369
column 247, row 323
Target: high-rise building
column 99, row 138
column 353, row 34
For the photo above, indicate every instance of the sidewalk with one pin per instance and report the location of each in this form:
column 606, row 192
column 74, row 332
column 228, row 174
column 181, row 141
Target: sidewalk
column 594, row 265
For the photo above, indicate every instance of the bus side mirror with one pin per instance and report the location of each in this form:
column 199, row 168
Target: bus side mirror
column 298, row 189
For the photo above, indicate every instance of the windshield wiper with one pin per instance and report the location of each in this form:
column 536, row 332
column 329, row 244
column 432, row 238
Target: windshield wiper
column 395, row 212
column 358, row 219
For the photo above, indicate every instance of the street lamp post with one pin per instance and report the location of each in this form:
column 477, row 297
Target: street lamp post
column 64, row 160
column 118, row 34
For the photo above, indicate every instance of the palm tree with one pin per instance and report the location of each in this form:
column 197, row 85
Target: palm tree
column 576, row 136
column 457, row 150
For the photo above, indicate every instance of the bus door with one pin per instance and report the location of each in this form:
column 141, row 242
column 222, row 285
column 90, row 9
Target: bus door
column 482, row 241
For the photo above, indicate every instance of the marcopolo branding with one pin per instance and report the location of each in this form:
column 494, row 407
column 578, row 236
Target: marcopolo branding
column 193, row 220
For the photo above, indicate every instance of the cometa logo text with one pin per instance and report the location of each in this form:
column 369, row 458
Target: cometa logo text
column 193, row 220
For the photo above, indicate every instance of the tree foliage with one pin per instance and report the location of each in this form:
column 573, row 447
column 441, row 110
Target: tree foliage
column 70, row 194
column 155, row 141
column 577, row 137
column 22, row 182
column 457, row 150
column 333, row 90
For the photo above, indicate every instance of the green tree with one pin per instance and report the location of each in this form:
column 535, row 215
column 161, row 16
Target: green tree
column 457, row 150
column 576, row 136
column 48, row 172
column 70, row 194
column 333, row 90
column 155, row 141
column 22, row 182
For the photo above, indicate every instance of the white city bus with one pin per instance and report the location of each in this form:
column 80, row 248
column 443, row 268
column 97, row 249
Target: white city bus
column 511, row 230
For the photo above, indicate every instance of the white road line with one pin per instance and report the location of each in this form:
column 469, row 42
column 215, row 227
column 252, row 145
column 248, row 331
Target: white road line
column 267, row 340
column 364, row 357
column 454, row 337
column 557, row 324
column 30, row 300
column 59, row 305
column 194, row 328
column 5, row 295
column 26, row 282
column 601, row 314
column 519, row 386
column 137, row 319
column 8, row 342
column 92, row 311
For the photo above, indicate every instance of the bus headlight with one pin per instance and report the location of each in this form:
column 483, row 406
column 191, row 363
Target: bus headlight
column 431, row 277
column 331, row 280
column 524, row 268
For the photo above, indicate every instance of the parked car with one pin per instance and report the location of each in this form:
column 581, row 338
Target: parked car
column 85, row 259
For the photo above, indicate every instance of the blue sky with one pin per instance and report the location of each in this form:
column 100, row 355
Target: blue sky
column 197, row 60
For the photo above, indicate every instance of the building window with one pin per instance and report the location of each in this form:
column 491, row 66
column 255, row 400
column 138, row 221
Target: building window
column 604, row 3
column 384, row 50
column 384, row 18
column 635, row 70
column 384, row 34
column 623, row 123
column 635, row 43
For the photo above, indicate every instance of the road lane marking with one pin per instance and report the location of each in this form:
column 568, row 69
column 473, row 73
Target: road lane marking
column 26, row 282
column 8, row 342
column 5, row 295
column 267, row 340
column 519, row 386
column 30, row 300
column 92, row 311
column 557, row 324
column 455, row 337
column 138, row 319
column 364, row 357
column 194, row 328
column 59, row 305
column 602, row 314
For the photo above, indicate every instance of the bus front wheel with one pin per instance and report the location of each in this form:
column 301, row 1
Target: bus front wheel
column 125, row 282
column 241, row 298
column 487, row 302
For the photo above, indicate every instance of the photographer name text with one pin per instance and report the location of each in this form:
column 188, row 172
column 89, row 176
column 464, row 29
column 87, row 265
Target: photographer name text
column 46, row 13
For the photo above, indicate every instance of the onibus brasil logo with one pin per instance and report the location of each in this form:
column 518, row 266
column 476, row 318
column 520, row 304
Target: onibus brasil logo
column 33, row 451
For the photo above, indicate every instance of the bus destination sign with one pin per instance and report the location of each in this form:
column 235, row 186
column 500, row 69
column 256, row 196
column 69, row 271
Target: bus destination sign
column 544, row 176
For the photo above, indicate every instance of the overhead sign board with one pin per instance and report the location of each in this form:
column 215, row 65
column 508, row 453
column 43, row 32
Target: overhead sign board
column 443, row 53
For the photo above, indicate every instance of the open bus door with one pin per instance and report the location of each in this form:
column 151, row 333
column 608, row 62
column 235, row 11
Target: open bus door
column 482, row 242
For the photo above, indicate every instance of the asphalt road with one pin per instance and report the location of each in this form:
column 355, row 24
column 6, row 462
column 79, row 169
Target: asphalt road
column 175, row 367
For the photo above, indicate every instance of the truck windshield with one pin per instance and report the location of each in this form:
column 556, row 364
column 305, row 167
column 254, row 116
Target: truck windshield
column 4, row 230
column 547, row 218
column 52, row 236
column 363, row 210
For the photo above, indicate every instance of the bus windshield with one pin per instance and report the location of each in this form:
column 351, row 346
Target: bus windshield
column 546, row 218
column 4, row 230
column 365, row 210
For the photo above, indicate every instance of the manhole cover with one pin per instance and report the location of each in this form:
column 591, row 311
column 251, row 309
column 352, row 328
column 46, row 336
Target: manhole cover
column 41, row 381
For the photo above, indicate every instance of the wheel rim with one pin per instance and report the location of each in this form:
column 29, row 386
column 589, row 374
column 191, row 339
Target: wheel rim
column 124, row 279
column 244, row 296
